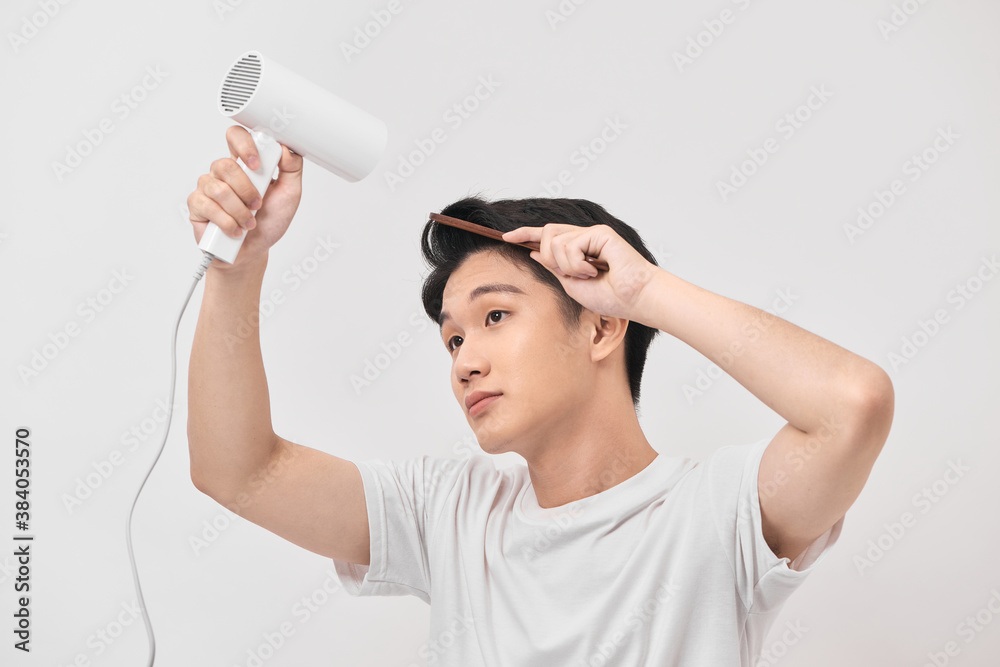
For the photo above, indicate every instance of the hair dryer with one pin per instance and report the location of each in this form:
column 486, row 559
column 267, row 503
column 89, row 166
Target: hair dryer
column 282, row 107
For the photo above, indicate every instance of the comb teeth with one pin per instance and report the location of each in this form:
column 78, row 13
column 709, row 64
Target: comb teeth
column 240, row 83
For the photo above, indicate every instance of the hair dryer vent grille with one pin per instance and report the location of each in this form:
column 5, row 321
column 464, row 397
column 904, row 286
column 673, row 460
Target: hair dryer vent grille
column 240, row 83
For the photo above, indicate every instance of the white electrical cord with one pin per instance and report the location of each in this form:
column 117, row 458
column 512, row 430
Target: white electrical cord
column 199, row 274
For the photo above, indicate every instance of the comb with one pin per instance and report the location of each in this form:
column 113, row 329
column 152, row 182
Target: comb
column 598, row 264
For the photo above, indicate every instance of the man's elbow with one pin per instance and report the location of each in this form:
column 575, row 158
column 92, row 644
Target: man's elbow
column 874, row 401
column 214, row 490
column 202, row 477
column 200, row 481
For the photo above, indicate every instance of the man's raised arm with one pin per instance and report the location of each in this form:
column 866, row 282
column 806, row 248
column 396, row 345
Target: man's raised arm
column 838, row 405
column 309, row 497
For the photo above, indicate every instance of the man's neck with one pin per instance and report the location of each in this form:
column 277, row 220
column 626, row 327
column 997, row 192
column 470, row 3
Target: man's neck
column 581, row 467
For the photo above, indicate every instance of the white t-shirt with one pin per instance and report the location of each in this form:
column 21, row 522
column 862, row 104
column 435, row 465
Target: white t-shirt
column 666, row 568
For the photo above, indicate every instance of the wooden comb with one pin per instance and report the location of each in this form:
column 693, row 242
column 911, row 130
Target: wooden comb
column 598, row 264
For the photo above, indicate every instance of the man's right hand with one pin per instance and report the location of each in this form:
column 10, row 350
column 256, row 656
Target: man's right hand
column 226, row 197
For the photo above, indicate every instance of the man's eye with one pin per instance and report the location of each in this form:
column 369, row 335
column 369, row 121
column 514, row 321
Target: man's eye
column 452, row 339
column 489, row 316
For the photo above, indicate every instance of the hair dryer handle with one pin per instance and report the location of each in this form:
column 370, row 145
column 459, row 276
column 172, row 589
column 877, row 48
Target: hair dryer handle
column 216, row 242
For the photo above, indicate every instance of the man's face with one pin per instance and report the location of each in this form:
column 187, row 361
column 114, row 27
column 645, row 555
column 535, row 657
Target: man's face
column 513, row 343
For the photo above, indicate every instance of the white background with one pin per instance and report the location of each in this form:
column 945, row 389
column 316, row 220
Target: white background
column 63, row 237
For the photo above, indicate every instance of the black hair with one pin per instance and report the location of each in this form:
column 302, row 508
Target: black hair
column 445, row 248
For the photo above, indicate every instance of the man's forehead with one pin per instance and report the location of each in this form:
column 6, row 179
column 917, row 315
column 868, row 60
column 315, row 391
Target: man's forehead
column 474, row 279
column 478, row 269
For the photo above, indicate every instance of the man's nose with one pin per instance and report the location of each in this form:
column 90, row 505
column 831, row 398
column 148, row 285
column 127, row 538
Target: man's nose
column 470, row 361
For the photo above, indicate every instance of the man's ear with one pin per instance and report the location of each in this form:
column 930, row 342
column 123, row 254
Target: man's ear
column 606, row 335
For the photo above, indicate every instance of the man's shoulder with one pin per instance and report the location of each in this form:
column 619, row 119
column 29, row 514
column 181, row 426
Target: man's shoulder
column 470, row 485
column 733, row 455
column 478, row 469
column 724, row 470
column 436, row 473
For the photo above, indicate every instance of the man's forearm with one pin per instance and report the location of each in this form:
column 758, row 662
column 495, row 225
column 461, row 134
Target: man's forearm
column 801, row 376
column 229, row 414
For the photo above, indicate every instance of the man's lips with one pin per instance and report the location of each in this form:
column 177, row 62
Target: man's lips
column 477, row 396
column 482, row 404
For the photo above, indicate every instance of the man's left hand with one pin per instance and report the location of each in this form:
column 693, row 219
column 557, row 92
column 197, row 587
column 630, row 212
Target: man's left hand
column 614, row 292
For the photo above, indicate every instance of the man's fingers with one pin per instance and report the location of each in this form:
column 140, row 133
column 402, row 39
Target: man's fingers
column 290, row 162
column 241, row 146
column 223, row 195
column 228, row 171
column 522, row 234
column 561, row 257
column 205, row 209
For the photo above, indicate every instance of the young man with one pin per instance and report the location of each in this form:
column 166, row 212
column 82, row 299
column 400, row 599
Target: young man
column 600, row 550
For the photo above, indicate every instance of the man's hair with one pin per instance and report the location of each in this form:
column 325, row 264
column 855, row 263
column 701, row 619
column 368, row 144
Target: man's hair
column 445, row 248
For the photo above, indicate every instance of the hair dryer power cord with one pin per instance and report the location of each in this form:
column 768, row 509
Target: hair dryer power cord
column 199, row 274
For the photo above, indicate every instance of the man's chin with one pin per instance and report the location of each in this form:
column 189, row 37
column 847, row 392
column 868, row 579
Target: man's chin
column 492, row 442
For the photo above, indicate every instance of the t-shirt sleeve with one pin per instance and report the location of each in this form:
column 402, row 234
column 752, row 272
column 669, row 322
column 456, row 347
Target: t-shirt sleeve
column 763, row 580
column 396, row 495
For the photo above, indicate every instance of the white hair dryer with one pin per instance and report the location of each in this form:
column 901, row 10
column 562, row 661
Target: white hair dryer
column 279, row 106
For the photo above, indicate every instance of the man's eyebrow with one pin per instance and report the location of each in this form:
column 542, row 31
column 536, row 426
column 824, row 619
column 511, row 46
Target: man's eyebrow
column 481, row 290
